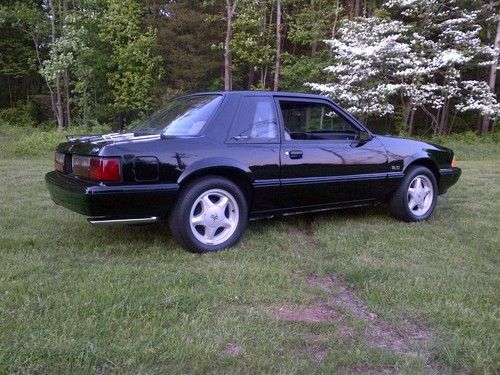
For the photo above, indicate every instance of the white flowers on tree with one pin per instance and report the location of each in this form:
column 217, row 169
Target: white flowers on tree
column 417, row 56
column 365, row 56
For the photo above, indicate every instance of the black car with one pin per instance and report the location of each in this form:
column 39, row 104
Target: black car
column 208, row 162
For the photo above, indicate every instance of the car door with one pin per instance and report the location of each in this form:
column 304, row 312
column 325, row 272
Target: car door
column 323, row 160
column 254, row 140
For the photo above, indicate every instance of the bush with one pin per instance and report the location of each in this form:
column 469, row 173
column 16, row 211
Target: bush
column 38, row 142
column 470, row 146
column 22, row 115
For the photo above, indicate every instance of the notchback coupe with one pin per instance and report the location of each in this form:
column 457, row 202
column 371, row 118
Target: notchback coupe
column 208, row 162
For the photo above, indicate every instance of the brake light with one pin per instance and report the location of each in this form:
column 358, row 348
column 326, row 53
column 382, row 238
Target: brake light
column 59, row 162
column 105, row 169
column 454, row 163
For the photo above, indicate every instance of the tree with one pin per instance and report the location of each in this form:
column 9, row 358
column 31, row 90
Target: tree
column 365, row 56
column 278, row 46
column 230, row 9
column 445, row 44
column 421, row 56
column 492, row 77
column 132, row 70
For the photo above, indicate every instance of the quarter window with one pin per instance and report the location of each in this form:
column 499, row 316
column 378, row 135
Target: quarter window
column 255, row 121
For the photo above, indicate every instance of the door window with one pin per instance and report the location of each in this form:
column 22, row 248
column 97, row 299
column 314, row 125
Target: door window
column 314, row 121
column 255, row 121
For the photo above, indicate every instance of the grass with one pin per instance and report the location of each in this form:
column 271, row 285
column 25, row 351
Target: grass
column 81, row 299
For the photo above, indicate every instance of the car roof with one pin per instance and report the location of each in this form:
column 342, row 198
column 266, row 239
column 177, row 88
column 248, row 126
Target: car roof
column 261, row 93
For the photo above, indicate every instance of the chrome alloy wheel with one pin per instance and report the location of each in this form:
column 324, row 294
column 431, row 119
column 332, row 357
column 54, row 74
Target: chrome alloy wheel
column 420, row 195
column 214, row 217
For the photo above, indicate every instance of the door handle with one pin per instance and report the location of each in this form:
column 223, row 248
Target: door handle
column 294, row 154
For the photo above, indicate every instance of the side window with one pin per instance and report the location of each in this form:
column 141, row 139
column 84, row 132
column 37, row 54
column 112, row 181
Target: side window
column 315, row 121
column 255, row 121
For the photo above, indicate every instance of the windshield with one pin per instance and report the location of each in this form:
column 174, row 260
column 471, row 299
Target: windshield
column 181, row 117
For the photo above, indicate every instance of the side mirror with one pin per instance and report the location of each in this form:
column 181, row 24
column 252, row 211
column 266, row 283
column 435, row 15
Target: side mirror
column 364, row 136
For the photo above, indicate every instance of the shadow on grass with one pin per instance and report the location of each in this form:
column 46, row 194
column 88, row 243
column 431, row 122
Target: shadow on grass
column 352, row 214
column 150, row 237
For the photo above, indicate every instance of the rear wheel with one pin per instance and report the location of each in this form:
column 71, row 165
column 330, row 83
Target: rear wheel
column 415, row 198
column 209, row 215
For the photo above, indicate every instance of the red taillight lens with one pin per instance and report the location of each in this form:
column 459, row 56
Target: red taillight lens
column 59, row 161
column 454, row 163
column 105, row 169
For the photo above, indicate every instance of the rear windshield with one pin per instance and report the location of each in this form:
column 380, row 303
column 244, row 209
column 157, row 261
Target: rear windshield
column 181, row 117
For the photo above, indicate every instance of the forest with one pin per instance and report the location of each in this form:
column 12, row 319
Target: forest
column 412, row 67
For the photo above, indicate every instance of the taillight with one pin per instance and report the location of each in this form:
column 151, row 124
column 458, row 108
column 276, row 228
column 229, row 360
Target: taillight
column 81, row 166
column 454, row 163
column 59, row 162
column 105, row 169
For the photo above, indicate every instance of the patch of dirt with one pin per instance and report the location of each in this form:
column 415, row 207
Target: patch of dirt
column 318, row 312
column 409, row 339
column 406, row 339
column 231, row 350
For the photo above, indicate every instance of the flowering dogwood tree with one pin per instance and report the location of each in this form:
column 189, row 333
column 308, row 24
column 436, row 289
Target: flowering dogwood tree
column 366, row 54
column 419, row 54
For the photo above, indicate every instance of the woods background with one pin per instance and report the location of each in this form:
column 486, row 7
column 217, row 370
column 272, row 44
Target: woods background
column 417, row 67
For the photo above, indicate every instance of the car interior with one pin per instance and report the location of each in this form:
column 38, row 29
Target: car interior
column 314, row 121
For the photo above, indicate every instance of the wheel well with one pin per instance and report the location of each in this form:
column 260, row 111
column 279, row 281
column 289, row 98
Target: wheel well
column 240, row 178
column 428, row 163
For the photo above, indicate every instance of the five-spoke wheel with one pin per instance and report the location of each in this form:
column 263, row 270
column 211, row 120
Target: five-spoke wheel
column 420, row 195
column 415, row 198
column 210, row 214
column 214, row 216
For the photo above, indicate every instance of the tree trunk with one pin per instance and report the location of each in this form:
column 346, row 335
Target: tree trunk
column 228, row 80
column 337, row 11
column 485, row 121
column 278, row 46
column 443, row 120
column 356, row 8
column 67, row 99
column 314, row 45
column 251, row 77
column 58, row 103
column 411, row 126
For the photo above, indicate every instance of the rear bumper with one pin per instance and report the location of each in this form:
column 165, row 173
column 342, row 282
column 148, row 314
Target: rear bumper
column 97, row 200
column 448, row 178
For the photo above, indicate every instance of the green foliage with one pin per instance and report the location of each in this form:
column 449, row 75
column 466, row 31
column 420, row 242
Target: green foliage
column 121, row 58
column 28, row 142
column 38, row 143
column 132, row 70
column 299, row 69
column 253, row 42
column 21, row 115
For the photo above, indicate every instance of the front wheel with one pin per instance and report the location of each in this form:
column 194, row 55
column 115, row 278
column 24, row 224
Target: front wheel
column 415, row 198
column 209, row 215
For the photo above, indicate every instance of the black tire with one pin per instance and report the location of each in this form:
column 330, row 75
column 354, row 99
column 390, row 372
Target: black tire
column 399, row 205
column 180, row 216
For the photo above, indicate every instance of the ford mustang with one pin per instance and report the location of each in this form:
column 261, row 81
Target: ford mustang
column 208, row 162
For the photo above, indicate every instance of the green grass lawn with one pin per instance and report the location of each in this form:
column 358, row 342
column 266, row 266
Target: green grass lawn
column 345, row 292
